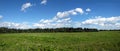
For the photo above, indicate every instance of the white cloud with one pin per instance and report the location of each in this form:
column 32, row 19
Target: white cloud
column 117, row 25
column 65, row 20
column 45, row 21
column 62, row 19
column 25, row 6
column 97, row 22
column 53, row 23
column 62, row 14
column 79, row 10
column 70, row 12
column 14, row 25
column 111, row 22
column 102, row 20
column 44, row 2
column 88, row 9
column 1, row 16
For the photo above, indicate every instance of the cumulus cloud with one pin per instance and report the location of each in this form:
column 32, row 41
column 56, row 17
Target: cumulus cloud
column 117, row 25
column 88, row 9
column 44, row 2
column 104, row 22
column 1, row 16
column 61, row 19
column 25, row 6
column 79, row 10
column 53, row 23
column 64, row 20
column 97, row 22
column 70, row 12
column 14, row 25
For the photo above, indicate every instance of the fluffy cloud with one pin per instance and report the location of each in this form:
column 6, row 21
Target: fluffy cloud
column 62, row 19
column 70, row 12
column 88, row 9
column 14, row 25
column 104, row 22
column 1, row 16
column 79, row 10
column 53, row 23
column 97, row 22
column 117, row 25
column 25, row 6
column 44, row 2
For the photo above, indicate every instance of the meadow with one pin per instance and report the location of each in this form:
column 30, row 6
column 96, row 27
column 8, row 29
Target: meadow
column 76, row 41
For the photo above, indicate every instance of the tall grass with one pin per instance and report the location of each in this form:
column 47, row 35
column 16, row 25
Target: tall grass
column 80, row 41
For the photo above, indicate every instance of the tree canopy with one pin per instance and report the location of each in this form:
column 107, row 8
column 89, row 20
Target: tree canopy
column 40, row 30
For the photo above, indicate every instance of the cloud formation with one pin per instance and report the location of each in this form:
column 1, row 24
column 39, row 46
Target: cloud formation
column 14, row 25
column 70, row 12
column 62, row 19
column 25, row 6
column 104, row 22
column 43, row 2
column 97, row 22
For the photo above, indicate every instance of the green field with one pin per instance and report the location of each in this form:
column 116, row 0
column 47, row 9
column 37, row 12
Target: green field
column 79, row 41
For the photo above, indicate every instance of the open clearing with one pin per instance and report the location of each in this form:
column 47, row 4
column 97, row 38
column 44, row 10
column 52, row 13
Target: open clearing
column 79, row 41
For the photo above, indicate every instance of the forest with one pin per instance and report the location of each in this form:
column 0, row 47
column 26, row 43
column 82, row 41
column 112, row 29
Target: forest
column 40, row 30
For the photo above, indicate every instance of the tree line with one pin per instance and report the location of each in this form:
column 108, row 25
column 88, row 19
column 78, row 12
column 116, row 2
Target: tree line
column 40, row 30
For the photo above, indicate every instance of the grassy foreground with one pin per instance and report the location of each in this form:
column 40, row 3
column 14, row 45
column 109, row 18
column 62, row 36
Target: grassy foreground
column 82, row 41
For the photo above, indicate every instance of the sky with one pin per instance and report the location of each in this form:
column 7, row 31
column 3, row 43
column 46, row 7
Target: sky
column 25, row 14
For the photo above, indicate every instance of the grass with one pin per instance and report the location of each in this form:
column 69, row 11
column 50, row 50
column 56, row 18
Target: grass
column 80, row 41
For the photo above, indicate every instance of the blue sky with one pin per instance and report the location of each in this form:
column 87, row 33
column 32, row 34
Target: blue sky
column 23, row 14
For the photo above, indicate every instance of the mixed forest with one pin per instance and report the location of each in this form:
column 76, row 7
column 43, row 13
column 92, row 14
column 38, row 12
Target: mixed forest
column 40, row 30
